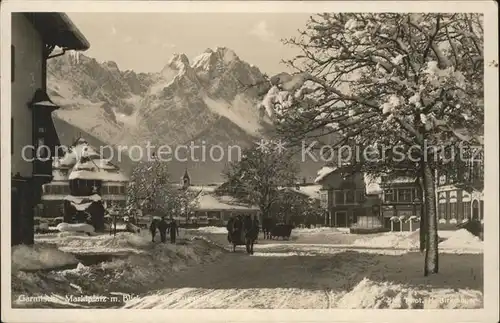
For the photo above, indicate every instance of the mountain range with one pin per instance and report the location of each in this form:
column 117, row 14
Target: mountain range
column 211, row 100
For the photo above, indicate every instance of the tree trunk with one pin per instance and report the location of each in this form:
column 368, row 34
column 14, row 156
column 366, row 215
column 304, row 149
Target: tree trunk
column 423, row 217
column 431, row 242
column 423, row 226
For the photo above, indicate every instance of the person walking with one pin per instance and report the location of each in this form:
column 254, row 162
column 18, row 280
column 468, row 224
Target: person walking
column 256, row 224
column 229, row 228
column 152, row 228
column 163, row 227
column 173, row 229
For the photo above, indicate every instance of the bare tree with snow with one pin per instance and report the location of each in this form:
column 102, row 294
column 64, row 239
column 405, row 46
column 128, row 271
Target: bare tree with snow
column 151, row 190
column 413, row 80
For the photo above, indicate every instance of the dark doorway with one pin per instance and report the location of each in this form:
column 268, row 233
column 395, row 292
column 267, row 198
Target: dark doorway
column 475, row 210
column 341, row 219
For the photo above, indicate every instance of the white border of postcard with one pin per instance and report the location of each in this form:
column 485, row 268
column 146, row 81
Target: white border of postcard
column 491, row 265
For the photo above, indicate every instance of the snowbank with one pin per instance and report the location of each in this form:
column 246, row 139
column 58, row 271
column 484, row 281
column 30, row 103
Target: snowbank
column 144, row 268
column 375, row 295
column 75, row 227
column 322, row 230
column 40, row 256
column 212, row 229
column 462, row 240
column 397, row 240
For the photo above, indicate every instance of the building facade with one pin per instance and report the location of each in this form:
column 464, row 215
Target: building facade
column 33, row 135
column 207, row 206
column 459, row 194
column 400, row 202
column 343, row 195
column 83, row 182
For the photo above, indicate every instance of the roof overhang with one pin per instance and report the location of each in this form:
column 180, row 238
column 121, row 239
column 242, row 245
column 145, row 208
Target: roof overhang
column 41, row 100
column 57, row 29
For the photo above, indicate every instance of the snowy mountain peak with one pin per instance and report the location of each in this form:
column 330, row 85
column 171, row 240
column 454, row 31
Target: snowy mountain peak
column 178, row 61
column 111, row 65
column 228, row 55
column 214, row 59
column 177, row 65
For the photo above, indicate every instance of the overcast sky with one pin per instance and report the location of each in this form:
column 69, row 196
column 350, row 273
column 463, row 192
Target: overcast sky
column 144, row 42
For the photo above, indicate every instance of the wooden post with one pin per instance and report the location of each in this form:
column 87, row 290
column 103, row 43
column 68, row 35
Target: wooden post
column 392, row 225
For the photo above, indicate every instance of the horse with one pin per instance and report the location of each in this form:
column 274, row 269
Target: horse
column 235, row 230
column 251, row 230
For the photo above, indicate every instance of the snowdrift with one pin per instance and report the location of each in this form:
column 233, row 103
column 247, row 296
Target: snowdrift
column 397, row 240
column 212, row 229
column 462, row 240
column 383, row 295
column 40, row 256
column 76, row 227
column 144, row 268
column 322, row 230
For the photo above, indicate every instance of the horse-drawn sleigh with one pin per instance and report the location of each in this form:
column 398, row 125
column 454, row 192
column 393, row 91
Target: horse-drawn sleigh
column 243, row 233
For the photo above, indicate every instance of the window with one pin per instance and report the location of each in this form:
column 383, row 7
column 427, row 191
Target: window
column 360, row 196
column 416, row 194
column 41, row 130
column 12, row 136
column 349, row 197
column 453, row 210
column 389, row 196
column 339, row 198
column 466, row 210
column 113, row 190
column 442, row 179
column 442, row 211
column 121, row 189
column 12, row 63
column 41, row 149
column 404, row 195
column 324, row 199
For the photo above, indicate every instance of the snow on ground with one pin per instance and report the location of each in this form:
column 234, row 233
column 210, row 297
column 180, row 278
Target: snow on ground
column 40, row 256
column 298, row 276
column 145, row 266
column 355, row 271
column 459, row 241
column 462, row 241
column 403, row 240
column 212, row 229
column 323, row 230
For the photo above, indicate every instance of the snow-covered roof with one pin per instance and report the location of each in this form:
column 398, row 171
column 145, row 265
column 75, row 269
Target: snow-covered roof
column 400, row 180
column 82, row 161
column 80, row 199
column 372, row 184
column 99, row 175
column 212, row 202
column 81, row 207
column 324, row 172
column 197, row 188
column 59, row 175
column 80, row 149
column 311, row 191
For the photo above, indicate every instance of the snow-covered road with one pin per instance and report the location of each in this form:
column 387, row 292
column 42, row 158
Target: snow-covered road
column 295, row 276
column 274, row 277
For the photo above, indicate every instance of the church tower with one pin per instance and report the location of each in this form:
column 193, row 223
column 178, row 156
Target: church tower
column 185, row 180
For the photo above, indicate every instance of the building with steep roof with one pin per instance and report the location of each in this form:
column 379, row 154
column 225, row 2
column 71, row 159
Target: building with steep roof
column 81, row 178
